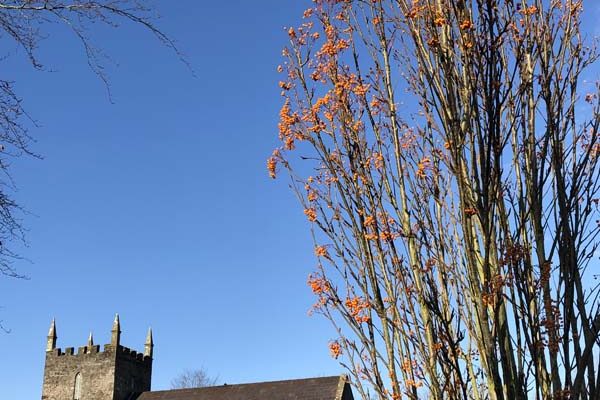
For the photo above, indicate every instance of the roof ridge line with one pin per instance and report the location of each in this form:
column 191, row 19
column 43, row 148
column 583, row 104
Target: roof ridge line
column 342, row 381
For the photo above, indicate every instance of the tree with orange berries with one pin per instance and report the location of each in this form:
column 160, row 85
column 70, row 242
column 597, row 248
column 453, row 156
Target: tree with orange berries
column 446, row 156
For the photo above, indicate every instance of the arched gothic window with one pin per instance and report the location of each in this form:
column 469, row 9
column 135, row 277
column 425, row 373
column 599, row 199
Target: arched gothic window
column 77, row 389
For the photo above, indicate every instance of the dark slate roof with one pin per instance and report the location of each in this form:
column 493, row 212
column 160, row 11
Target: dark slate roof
column 327, row 388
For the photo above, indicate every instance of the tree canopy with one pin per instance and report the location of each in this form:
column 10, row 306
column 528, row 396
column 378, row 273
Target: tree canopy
column 193, row 378
column 446, row 155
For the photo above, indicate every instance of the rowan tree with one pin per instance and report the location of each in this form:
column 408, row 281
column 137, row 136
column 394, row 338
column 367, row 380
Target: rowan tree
column 445, row 153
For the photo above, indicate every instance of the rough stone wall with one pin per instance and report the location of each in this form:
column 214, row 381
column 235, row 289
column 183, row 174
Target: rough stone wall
column 133, row 373
column 107, row 375
column 97, row 373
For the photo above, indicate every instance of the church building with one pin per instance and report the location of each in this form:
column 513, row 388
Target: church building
column 119, row 373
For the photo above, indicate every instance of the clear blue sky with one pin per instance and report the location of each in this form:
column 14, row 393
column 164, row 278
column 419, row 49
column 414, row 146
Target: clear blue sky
column 159, row 206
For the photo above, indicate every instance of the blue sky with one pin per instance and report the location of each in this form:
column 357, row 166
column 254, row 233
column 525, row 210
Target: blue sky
column 159, row 206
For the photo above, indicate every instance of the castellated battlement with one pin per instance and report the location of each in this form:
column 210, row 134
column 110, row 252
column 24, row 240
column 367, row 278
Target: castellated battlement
column 113, row 373
column 70, row 351
column 83, row 351
column 125, row 352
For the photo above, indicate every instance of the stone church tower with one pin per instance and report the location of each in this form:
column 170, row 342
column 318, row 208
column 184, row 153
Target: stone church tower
column 116, row 373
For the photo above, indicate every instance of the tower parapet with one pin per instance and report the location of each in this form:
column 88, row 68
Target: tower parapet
column 115, row 373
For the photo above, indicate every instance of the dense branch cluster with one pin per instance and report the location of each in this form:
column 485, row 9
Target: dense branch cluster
column 446, row 155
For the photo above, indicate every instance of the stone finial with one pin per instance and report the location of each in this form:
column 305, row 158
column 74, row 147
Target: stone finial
column 90, row 340
column 149, row 345
column 115, row 338
column 51, row 343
